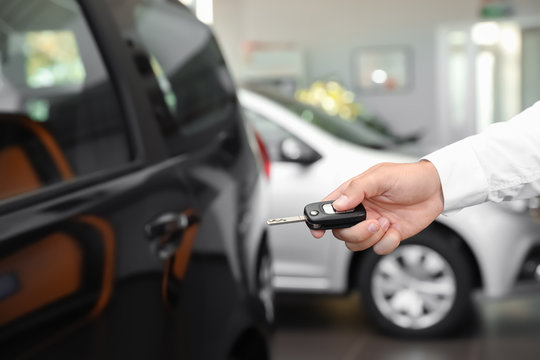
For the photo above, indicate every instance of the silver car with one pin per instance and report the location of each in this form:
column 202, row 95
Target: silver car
column 424, row 287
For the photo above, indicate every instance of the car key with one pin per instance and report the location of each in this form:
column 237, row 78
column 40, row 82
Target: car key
column 323, row 216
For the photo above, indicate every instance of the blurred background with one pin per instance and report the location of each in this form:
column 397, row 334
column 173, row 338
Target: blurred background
column 445, row 68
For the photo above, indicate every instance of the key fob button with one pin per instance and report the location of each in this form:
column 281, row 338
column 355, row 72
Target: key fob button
column 328, row 209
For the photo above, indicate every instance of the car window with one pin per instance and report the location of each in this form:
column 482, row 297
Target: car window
column 59, row 115
column 196, row 90
column 364, row 133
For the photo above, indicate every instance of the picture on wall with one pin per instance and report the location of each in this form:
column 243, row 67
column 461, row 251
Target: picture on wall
column 382, row 69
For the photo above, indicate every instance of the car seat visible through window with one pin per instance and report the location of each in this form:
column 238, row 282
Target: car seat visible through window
column 29, row 156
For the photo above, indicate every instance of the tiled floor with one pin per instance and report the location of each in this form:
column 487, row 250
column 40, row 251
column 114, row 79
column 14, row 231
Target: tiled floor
column 324, row 327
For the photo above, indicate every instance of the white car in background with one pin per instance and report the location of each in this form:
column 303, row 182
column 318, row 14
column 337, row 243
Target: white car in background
column 424, row 287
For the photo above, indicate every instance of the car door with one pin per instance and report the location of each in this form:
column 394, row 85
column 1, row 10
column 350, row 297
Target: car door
column 181, row 71
column 96, row 228
column 126, row 180
column 300, row 175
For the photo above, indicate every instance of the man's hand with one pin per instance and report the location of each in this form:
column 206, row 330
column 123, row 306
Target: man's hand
column 400, row 201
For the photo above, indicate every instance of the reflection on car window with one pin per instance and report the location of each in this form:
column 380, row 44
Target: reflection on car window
column 52, row 59
column 193, row 80
column 164, row 84
column 59, row 116
column 273, row 135
column 354, row 132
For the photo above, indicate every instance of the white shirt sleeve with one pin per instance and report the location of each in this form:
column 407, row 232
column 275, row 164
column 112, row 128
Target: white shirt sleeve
column 501, row 163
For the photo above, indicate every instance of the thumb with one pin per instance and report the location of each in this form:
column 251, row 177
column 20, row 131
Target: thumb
column 355, row 192
column 344, row 202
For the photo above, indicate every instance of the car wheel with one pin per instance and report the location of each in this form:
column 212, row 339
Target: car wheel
column 265, row 287
column 421, row 289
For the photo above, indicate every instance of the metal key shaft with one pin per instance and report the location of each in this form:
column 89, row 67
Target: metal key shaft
column 286, row 220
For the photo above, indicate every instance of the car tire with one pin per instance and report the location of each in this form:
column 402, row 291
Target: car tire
column 422, row 289
column 265, row 286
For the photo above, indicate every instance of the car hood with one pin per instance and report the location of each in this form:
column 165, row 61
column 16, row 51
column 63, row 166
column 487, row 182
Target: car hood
column 350, row 160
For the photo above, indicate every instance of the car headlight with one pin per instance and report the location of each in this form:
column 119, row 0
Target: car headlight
column 531, row 206
column 517, row 206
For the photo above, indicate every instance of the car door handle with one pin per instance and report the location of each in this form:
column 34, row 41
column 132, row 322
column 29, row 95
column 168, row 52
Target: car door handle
column 165, row 232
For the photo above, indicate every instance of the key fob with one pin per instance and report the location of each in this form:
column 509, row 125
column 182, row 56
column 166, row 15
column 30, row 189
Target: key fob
column 323, row 216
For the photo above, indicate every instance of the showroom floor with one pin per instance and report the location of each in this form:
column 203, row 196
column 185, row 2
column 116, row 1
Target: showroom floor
column 326, row 327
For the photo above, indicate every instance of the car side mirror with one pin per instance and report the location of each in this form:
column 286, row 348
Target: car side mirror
column 294, row 150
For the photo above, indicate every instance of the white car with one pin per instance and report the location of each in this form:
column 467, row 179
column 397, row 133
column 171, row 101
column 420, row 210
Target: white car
column 424, row 287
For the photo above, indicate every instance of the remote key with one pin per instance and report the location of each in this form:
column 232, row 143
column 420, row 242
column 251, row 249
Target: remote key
column 323, row 216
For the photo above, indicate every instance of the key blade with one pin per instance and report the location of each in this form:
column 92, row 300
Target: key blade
column 286, row 220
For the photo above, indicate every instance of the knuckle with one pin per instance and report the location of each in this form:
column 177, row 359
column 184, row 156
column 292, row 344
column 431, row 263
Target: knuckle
column 380, row 166
column 355, row 183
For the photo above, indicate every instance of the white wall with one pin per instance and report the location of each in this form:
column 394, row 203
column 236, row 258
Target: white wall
column 329, row 31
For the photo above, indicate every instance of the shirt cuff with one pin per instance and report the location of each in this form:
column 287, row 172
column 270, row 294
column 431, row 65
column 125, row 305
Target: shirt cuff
column 463, row 179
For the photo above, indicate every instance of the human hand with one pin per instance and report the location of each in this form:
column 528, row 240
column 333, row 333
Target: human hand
column 400, row 201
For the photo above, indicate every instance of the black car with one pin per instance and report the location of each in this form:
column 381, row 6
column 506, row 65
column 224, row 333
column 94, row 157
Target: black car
column 130, row 188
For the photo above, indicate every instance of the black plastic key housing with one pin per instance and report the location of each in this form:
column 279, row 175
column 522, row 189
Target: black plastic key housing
column 318, row 219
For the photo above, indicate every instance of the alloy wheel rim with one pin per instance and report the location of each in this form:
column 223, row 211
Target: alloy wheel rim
column 414, row 287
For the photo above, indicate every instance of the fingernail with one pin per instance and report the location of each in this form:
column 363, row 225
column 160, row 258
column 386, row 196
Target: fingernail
column 373, row 228
column 387, row 244
column 378, row 248
column 341, row 201
column 385, row 223
column 384, row 246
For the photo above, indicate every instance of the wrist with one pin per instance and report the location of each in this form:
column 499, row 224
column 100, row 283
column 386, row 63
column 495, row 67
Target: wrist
column 429, row 171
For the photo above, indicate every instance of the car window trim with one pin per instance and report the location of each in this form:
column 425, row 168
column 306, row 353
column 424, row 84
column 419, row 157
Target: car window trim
column 144, row 137
column 64, row 187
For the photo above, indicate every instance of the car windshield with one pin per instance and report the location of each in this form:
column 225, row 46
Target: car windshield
column 362, row 131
